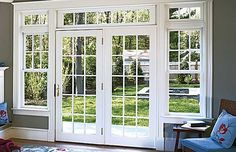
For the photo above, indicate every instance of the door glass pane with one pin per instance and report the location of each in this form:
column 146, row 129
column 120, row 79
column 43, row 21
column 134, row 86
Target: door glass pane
column 79, row 84
column 117, row 45
column 79, row 105
column 79, row 46
column 91, row 45
column 79, row 65
column 130, row 85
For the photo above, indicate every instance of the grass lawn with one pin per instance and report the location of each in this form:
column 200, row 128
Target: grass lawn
column 176, row 85
column 128, row 110
column 184, row 105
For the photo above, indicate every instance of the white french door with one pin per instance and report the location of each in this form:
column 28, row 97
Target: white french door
column 79, row 112
column 107, row 92
column 130, row 97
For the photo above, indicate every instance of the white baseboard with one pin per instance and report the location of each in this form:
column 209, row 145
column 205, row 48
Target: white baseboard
column 25, row 133
column 6, row 133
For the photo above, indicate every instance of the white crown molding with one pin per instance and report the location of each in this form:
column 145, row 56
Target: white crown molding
column 6, row 1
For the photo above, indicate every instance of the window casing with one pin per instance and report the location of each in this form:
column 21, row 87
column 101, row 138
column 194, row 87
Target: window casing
column 35, row 60
column 186, row 63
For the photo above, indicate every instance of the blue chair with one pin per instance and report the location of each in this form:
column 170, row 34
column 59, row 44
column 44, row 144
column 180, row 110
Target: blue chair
column 207, row 144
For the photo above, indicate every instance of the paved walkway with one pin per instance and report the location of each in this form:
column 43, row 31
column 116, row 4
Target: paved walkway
column 117, row 130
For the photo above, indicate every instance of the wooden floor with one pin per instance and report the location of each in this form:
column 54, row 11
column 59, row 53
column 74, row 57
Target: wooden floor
column 92, row 148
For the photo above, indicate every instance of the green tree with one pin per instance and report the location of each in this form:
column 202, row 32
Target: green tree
column 134, row 67
column 35, row 88
column 117, row 70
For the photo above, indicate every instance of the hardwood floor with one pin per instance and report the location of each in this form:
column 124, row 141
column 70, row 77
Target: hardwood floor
column 92, row 148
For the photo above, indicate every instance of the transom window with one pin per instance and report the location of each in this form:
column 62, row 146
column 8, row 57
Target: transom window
column 191, row 13
column 133, row 15
column 31, row 19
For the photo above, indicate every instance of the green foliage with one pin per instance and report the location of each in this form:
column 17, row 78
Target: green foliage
column 180, row 78
column 36, row 88
column 133, row 68
column 188, row 79
column 68, row 19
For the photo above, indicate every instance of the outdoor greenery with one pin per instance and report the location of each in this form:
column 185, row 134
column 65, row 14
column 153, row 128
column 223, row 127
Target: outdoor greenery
column 107, row 17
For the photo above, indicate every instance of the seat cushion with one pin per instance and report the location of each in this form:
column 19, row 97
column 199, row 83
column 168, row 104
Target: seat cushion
column 205, row 145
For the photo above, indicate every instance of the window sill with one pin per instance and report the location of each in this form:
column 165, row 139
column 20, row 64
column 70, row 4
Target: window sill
column 31, row 111
column 181, row 118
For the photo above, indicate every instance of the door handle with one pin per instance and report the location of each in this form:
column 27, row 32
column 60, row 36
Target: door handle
column 56, row 90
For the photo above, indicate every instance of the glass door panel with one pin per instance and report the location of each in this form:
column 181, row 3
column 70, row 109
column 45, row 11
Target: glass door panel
column 131, row 53
column 80, row 101
column 130, row 85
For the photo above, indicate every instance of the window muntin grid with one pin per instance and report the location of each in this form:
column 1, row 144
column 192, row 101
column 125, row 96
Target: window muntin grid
column 35, row 19
column 108, row 16
column 79, row 84
column 130, row 85
column 185, row 13
column 35, row 69
column 184, row 56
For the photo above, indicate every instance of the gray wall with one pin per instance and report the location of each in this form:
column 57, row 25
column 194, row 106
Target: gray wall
column 224, row 71
column 6, row 53
column 6, row 56
column 224, row 54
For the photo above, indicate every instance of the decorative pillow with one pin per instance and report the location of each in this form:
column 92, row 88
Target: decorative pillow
column 3, row 114
column 224, row 131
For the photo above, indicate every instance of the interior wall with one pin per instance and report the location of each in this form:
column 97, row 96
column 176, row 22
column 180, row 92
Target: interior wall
column 6, row 53
column 224, row 53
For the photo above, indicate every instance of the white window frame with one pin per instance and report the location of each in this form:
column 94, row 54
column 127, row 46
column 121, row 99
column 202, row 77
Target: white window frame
column 186, row 5
column 161, row 21
column 19, row 58
column 200, row 72
column 188, row 24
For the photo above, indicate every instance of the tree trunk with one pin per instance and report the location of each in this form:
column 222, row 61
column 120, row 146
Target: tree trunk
column 79, row 68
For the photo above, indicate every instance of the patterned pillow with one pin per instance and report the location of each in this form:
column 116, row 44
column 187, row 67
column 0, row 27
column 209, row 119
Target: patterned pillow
column 3, row 114
column 224, row 131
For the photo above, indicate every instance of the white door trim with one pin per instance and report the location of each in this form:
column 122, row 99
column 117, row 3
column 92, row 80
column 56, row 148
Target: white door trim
column 111, row 140
column 60, row 136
